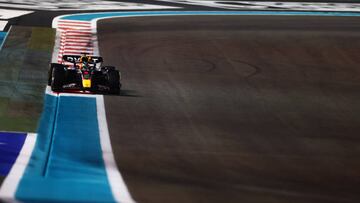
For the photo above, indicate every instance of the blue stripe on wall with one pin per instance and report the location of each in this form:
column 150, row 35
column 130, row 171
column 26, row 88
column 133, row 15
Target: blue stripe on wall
column 67, row 163
column 89, row 17
column 10, row 147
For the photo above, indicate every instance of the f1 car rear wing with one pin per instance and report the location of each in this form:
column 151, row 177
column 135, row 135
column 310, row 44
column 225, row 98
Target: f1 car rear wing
column 76, row 59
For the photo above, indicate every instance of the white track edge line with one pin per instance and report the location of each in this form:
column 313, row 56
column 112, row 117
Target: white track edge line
column 11, row 182
column 117, row 183
column 118, row 186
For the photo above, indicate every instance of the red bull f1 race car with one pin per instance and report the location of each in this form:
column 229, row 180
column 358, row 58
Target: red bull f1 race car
column 85, row 74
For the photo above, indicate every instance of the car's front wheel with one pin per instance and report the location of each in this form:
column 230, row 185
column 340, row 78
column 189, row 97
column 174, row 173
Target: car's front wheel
column 51, row 67
column 113, row 77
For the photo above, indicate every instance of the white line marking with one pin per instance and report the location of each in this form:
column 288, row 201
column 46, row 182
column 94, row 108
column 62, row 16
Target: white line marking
column 72, row 24
column 74, row 29
column 62, row 94
column 68, row 29
column 3, row 24
column 50, row 92
column 77, row 31
column 9, row 13
column 75, row 52
column 6, row 36
column 76, row 37
column 74, row 44
column 272, row 5
column 118, row 187
column 78, row 48
column 9, row 186
column 76, row 40
column 74, row 21
column 65, row 5
column 80, row 35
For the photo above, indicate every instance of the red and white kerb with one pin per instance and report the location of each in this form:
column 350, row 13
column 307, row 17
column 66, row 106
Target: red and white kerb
column 76, row 37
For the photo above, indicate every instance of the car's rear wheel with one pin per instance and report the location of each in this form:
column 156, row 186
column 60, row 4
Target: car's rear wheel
column 113, row 77
column 95, row 80
column 57, row 79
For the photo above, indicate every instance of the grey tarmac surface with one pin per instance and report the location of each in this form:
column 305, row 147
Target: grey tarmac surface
column 236, row 108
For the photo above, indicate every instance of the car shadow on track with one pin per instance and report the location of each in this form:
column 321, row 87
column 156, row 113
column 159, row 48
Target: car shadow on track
column 127, row 93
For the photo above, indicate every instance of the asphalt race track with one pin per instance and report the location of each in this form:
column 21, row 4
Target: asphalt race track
column 236, row 108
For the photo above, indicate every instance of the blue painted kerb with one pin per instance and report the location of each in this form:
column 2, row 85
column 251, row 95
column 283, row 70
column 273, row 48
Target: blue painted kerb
column 66, row 164
column 2, row 38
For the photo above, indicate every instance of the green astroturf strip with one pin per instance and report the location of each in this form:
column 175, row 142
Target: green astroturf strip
column 24, row 60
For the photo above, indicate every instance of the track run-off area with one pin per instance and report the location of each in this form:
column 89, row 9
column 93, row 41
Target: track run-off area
column 223, row 106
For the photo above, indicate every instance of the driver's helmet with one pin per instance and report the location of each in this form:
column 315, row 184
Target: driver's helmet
column 84, row 60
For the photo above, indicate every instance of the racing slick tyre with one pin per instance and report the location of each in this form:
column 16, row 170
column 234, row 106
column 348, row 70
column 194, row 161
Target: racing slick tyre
column 113, row 77
column 52, row 65
column 96, row 79
column 57, row 79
